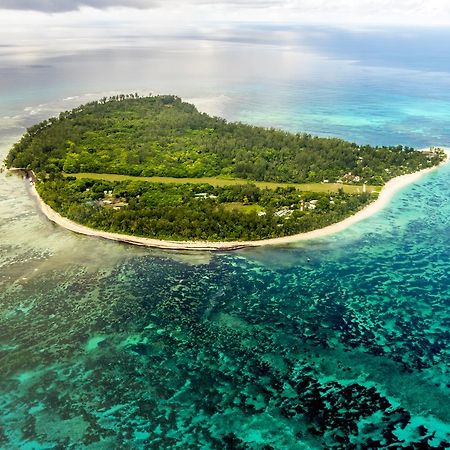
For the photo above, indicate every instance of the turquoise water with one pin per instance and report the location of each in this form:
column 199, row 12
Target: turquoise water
column 341, row 342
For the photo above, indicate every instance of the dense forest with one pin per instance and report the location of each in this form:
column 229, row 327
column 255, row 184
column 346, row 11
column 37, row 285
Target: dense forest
column 163, row 136
column 195, row 211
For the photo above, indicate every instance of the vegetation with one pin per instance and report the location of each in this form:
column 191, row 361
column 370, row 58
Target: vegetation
column 218, row 181
column 163, row 136
column 196, row 211
column 199, row 176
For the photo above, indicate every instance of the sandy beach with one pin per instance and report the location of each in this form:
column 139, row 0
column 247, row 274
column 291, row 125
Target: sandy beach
column 385, row 196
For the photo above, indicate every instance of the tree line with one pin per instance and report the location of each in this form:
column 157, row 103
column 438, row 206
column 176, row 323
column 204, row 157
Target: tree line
column 164, row 136
column 195, row 211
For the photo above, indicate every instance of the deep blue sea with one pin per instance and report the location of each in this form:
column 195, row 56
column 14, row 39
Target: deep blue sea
column 341, row 342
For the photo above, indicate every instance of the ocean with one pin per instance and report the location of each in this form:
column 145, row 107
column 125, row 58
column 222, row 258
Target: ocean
column 340, row 342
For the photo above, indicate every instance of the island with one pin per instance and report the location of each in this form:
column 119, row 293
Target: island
column 155, row 171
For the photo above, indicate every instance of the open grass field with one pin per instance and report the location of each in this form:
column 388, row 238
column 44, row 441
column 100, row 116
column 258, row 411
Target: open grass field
column 216, row 181
column 237, row 206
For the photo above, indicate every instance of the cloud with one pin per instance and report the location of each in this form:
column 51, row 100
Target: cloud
column 70, row 5
column 330, row 12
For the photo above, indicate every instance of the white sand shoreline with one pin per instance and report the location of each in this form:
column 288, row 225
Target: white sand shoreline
column 388, row 191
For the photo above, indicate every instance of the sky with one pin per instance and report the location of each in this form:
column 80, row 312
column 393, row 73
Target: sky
column 356, row 13
column 61, row 25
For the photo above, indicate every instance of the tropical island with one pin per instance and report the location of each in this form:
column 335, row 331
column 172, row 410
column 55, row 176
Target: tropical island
column 156, row 168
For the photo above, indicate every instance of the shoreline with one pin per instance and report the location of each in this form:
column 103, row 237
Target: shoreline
column 385, row 196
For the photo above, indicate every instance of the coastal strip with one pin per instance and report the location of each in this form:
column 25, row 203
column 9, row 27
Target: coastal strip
column 385, row 196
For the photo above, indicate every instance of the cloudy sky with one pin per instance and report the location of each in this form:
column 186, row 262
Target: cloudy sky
column 47, row 25
column 337, row 12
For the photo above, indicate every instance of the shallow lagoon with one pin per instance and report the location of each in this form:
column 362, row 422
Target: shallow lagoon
column 341, row 342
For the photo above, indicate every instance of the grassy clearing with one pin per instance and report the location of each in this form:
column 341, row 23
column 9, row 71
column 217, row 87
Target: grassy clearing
column 215, row 181
column 237, row 206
